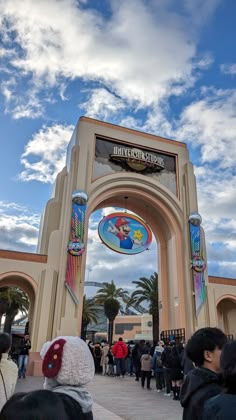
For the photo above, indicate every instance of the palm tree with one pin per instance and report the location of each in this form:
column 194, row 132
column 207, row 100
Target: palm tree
column 4, row 302
column 109, row 296
column 147, row 290
column 18, row 301
column 89, row 314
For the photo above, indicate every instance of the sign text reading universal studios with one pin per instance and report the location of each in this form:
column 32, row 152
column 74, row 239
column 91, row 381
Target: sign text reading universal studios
column 137, row 159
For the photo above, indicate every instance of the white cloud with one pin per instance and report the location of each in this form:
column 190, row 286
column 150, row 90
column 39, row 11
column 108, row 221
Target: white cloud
column 228, row 69
column 102, row 104
column 18, row 227
column 48, row 147
column 143, row 52
column 211, row 124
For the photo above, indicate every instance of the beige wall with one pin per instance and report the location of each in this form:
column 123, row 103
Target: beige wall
column 140, row 327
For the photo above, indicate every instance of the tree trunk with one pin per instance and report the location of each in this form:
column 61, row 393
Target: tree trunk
column 110, row 331
column 1, row 315
column 9, row 321
column 155, row 327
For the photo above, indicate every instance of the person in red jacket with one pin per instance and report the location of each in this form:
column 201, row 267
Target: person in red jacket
column 120, row 352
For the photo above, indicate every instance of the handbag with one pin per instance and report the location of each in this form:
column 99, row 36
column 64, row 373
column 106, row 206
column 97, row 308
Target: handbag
column 4, row 385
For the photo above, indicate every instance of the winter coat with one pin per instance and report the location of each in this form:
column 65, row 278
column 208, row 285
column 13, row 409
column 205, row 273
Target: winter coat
column 120, row 350
column 170, row 358
column 25, row 347
column 199, row 386
column 130, row 350
column 104, row 358
column 97, row 351
column 221, row 407
column 186, row 364
column 146, row 362
column 157, row 364
column 138, row 351
column 9, row 373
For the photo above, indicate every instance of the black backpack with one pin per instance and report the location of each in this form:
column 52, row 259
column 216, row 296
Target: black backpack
column 97, row 352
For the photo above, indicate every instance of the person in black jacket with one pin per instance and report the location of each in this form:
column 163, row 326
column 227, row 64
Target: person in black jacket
column 203, row 382
column 24, row 356
column 138, row 350
column 223, row 406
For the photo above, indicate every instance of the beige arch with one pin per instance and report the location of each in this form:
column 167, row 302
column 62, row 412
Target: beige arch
column 226, row 310
column 26, row 283
column 166, row 220
column 223, row 297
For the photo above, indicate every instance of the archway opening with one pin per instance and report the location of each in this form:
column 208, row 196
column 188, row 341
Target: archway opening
column 226, row 311
column 105, row 265
column 163, row 215
column 21, row 281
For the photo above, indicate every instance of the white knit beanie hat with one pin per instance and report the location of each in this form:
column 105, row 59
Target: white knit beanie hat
column 68, row 360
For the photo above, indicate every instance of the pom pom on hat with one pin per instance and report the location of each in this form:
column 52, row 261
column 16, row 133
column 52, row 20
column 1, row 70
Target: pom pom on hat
column 68, row 360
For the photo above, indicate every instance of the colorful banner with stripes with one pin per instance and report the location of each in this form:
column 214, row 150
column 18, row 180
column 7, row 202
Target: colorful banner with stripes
column 198, row 265
column 76, row 245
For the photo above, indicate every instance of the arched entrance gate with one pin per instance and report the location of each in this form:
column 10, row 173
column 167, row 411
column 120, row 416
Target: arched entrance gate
column 106, row 163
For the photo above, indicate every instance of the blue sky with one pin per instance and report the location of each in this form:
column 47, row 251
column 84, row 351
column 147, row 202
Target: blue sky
column 167, row 67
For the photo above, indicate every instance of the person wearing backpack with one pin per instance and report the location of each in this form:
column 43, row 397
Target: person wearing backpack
column 157, row 366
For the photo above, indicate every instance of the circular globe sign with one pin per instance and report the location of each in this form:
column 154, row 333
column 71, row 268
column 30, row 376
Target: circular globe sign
column 125, row 233
column 198, row 264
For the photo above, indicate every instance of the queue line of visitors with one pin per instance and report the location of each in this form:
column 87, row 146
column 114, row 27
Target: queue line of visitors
column 207, row 393
column 165, row 361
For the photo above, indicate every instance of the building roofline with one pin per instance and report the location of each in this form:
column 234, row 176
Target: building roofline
column 132, row 131
column 23, row 256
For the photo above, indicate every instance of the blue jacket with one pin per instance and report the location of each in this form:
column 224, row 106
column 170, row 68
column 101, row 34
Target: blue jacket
column 221, row 407
column 156, row 356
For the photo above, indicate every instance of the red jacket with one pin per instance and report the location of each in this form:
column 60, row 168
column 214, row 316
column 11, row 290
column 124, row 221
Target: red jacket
column 120, row 350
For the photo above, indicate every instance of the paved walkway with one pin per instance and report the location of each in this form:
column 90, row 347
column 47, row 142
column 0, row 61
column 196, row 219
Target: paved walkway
column 121, row 399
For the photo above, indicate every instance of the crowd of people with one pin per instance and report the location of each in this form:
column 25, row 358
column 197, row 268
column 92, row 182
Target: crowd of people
column 166, row 362
column 202, row 375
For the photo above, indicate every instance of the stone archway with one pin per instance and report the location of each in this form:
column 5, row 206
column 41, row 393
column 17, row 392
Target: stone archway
column 165, row 199
column 164, row 215
column 27, row 284
column 226, row 312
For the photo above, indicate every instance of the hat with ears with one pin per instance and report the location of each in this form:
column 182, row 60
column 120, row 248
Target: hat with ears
column 120, row 222
column 68, row 360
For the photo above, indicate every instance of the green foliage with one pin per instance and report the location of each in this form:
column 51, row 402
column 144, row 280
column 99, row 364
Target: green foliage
column 12, row 301
column 110, row 291
column 90, row 311
column 110, row 296
column 111, row 308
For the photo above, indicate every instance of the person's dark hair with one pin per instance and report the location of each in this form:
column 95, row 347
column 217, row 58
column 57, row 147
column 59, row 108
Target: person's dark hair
column 228, row 366
column 5, row 343
column 204, row 339
column 120, row 339
column 37, row 405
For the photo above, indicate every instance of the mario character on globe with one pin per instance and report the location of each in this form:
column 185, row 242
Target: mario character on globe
column 122, row 230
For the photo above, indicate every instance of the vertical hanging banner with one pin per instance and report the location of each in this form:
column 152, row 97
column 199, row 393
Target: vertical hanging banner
column 76, row 245
column 198, row 263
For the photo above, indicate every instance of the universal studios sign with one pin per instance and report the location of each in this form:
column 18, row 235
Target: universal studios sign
column 137, row 159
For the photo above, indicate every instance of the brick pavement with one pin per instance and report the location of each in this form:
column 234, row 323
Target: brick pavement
column 121, row 399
